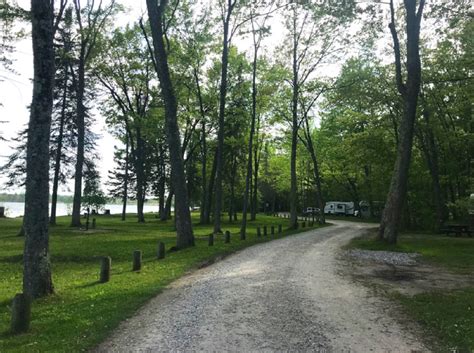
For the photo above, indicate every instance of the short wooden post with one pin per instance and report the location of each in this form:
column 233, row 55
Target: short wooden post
column 21, row 313
column 137, row 260
column 160, row 254
column 227, row 237
column 105, row 265
column 211, row 240
column 93, row 223
column 279, row 229
column 259, row 232
column 264, row 231
column 272, row 231
column 2, row 212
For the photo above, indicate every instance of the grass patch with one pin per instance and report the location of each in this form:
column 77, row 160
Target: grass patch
column 82, row 312
column 449, row 315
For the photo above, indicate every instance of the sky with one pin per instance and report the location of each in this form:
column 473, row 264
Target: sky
column 16, row 90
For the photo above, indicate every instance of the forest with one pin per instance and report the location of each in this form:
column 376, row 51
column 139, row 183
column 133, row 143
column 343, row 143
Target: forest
column 235, row 108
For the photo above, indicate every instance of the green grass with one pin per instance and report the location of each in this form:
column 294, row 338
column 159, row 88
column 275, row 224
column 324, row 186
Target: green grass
column 82, row 312
column 449, row 315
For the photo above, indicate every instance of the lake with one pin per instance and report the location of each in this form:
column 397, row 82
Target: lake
column 16, row 209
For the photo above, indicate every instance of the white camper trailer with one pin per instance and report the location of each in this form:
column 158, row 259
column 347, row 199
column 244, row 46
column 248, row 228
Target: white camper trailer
column 340, row 208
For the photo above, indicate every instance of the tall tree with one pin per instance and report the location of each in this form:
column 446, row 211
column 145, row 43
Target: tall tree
column 409, row 91
column 259, row 30
column 156, row 14
column 91, row 20
column 37, row 281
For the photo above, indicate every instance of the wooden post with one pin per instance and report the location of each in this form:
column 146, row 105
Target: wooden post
column 259, row 232
column 93, row 223
column 272, row 231
column 211, row 239
column 279, row 229
column 264, row 231
column 105, row 265
column 303, row 225
column 137, row 260
column 2, row 212
column 160, row 254
column 21, row 313
column 227, row 237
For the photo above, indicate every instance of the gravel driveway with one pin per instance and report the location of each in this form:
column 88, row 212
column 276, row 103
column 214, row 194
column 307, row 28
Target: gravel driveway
column 284, row 295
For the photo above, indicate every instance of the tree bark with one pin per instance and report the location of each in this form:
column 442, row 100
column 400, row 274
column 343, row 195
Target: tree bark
column 220, row 132
column 248, row 178
column 430, row 150
column 125, row 183
column 390, row 222
column 37, row 281
column 59, row 148
column 185, row 237
column 210, row 189
column 294, row 132
column 80, row 124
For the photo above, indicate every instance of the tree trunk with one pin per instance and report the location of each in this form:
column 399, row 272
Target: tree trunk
column 294, row 133
column 140, row 173
column 185, row 237
column 220, row 132
column 125, row 184
column 248, row 178
column 167, row 209
column 37, row 281
column 210, row 189
column 59, row 148
column 202, row 215
column 80, row 123
column 389, row 225
column 430, row 150
column 317, row 175
column 254, row 205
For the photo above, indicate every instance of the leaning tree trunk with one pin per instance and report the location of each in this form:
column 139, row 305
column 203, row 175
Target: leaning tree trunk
column 37, row 281
column 409, row 91
column 185, row 237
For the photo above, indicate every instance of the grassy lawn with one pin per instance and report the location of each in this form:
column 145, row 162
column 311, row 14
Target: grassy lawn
column 82, row 312
column 449, row 315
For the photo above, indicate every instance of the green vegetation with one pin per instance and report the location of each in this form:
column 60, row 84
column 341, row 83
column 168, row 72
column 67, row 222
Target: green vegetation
column 82, row 311
column 447, row 315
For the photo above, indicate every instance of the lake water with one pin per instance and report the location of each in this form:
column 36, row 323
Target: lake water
column 16, row 209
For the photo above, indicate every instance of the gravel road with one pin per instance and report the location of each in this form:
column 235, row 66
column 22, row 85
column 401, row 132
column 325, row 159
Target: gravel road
column 284, row 295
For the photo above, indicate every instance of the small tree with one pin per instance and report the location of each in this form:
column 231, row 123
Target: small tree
column 93, row 197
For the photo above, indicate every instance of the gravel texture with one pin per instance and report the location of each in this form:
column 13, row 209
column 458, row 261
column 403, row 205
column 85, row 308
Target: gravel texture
column 282, row 296
column 386, row 257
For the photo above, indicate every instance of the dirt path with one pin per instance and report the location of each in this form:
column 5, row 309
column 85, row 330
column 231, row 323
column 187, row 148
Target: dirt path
column 284, row 295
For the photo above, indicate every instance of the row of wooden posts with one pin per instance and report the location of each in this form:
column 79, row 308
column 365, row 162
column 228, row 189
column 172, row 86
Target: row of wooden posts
column 21, row 305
